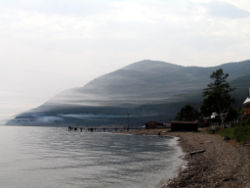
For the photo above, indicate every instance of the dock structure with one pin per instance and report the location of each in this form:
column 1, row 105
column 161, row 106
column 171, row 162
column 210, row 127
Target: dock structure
column 100, row 129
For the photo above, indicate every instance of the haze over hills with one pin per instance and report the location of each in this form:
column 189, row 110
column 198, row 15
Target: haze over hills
column 147, row 90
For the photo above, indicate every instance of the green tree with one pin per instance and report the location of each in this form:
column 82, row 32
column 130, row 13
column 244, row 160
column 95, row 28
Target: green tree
column 187, row 113
column 216, row 97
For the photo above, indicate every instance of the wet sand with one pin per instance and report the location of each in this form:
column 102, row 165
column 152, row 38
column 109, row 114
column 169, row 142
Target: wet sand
column 223, row 164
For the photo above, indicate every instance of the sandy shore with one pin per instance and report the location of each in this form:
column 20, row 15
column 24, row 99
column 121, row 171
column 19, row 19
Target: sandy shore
column 223, row 164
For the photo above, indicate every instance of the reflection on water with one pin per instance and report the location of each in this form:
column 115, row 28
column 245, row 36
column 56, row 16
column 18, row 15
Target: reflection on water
column 53, row 157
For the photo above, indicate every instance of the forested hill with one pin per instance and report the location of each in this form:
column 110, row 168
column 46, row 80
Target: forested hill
column 147, row 90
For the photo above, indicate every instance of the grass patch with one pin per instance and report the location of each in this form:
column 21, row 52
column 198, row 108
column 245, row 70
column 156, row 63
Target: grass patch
column 241, row 132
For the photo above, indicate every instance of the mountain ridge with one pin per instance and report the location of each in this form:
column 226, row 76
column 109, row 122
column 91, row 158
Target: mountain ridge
column 152, row 84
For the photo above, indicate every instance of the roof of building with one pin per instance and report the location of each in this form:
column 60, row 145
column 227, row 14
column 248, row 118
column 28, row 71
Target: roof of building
column 247, row 100
column 184, row 122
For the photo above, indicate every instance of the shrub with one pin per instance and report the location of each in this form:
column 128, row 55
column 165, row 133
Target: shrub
column 241, row 132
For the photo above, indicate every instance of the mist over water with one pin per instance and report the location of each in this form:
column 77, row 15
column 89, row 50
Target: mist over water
column 53, row 157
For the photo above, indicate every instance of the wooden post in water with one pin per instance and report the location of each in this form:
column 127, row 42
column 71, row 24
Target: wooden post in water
column 128, row 121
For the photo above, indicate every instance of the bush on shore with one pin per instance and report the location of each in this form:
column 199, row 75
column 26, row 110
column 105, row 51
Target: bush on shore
column 241, row 132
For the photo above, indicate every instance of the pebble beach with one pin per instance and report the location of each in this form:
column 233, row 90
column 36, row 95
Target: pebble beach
column 222, row 164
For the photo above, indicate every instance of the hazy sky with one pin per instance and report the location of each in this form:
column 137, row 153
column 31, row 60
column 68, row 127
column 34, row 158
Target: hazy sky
column 51, row 45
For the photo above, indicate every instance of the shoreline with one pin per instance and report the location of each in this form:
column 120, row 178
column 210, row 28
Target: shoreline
column 223, row 164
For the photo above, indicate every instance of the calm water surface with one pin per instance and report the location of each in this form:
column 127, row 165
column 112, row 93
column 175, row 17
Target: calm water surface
column 50, row 157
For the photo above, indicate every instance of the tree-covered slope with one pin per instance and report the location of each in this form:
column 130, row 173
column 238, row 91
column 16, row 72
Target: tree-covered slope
column 147, row 90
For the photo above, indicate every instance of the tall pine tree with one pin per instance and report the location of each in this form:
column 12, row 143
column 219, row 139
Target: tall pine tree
column 216, row 97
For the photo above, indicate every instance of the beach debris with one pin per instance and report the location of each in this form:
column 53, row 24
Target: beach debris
column 229, row 179
column 209, row 141
column 247, row 143
column 227, row 138
column 197, row 152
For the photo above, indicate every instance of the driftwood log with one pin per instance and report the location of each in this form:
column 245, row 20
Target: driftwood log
column 196, row 152
column 247, row 143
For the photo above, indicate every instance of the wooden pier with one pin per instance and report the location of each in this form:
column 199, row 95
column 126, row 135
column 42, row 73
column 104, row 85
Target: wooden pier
column 100, row 129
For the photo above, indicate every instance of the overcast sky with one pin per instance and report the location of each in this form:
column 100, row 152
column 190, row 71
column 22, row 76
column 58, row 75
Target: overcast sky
column 51, row 45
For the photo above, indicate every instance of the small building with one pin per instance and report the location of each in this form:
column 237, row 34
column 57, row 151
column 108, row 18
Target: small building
column 246, row 106
column 184, row 125
column 154, row 125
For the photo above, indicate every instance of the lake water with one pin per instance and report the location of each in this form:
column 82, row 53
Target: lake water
column 50, row 157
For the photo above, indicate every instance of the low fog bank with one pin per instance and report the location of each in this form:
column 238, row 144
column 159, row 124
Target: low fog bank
column 90, row 115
